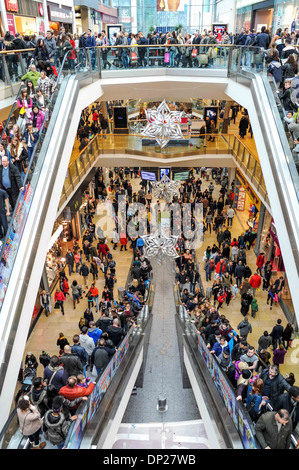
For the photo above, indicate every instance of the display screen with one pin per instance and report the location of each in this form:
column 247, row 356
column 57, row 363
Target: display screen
column 120, row 117
column 219, row 28
column 149, row 176
column 164, row 171
column 212, row 113
column 181, row 176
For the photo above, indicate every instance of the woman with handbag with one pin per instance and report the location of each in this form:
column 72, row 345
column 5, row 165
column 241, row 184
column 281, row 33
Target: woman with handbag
column 254, row 399
column 24, row 105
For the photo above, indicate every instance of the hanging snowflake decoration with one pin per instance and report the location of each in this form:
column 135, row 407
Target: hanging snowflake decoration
column 159, row 245
column 163, row 124
column 165, row 188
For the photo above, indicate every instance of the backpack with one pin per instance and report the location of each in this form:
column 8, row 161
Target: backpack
column 254, row 415
column 112, row 264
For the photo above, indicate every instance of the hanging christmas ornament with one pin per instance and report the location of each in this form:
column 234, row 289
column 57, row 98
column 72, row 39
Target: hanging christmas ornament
column 166, row 189
column 163, row 124
column 159, row 246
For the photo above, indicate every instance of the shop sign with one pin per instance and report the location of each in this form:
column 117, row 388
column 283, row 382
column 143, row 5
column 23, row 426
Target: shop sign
column 12, row 5
column 109, row 19
column 61, row 15
column 40, row 9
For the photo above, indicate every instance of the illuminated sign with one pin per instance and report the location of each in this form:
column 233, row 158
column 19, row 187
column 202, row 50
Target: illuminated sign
column 12, row 5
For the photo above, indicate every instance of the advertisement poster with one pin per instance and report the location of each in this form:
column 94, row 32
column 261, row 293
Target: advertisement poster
column 246, row 432
column 171, row 5
column 241, row 199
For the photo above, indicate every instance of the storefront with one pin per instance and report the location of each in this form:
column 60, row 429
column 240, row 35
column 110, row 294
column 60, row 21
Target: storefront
column 55, row 260
column 273, row 14
column 60, row 16
column 286, row 15
column 253, row 14
column 246, row 203
column 25, row 17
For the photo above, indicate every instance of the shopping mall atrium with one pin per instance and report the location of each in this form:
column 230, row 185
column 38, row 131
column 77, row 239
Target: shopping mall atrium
column 149, row 225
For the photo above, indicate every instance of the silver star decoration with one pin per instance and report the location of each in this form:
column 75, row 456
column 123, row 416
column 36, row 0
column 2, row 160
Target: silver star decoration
column 159, row 245
column 163, row 124
column 166, row 189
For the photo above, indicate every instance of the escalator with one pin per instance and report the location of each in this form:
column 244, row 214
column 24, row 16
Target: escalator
column 26, row 242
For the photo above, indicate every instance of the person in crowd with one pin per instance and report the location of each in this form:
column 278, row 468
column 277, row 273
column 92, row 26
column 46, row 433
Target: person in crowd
column 56, row 426
column 279, row 354
column 4, row 213
column 37, row 118
column 54, row 373
column 30, row 422
column 274, row 384
column 30, row 139
column 276, row 333
column 274, row 429
column 33, row 74
column 10, row 180
column 71, row 361
column 72, row 390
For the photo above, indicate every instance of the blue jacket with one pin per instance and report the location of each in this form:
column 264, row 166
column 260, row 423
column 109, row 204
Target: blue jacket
column 81, row 353
column 90, row 41
column 262, row 40
column 95, row 333
column 217, row 348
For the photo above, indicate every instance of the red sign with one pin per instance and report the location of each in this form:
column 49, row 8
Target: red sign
column 12, row 5
column 11, row 24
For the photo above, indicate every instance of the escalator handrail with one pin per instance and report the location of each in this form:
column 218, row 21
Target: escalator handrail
column 30, row 166
column 132, row 332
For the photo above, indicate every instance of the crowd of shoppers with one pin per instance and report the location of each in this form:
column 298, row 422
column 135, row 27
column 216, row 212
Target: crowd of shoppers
column 104, row 320
column 257, row 379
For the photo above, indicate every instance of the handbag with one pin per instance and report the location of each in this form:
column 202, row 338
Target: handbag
column 166, row 58
column 22, row 112
column 202, row 58
column 212, row 53
column 194, row 52
column 254, row 415
column 57, row 304
column 133, row 56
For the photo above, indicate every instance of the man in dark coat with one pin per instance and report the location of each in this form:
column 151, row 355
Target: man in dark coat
column 10, row 180
column 274, row 429
column 71, row 362
column 290, row 401
column 274, row 383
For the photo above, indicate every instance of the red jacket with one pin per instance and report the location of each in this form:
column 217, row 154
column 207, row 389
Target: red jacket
column 255, row 281
column 76, row 392
column 103, row 248
column 218, row 267
column 260, row 261
column 59, row 296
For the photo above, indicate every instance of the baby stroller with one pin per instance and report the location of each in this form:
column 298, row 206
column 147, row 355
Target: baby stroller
column 28, row 375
